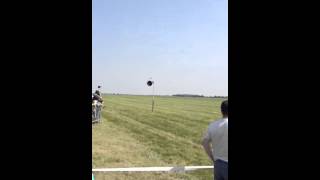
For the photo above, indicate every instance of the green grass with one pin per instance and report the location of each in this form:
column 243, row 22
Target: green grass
column 131, row 135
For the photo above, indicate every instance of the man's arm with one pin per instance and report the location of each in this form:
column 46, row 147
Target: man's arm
column 207, row 148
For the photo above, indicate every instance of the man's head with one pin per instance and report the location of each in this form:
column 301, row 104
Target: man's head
column 97, row 93
column 224, row 108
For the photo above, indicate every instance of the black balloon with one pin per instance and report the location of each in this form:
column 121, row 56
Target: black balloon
column 149, row 83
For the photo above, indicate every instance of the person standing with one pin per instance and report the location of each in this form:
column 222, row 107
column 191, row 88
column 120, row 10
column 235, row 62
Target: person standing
column 215, row 144
column 97, row 96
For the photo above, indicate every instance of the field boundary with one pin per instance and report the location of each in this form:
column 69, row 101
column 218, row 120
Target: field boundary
column 177, row 169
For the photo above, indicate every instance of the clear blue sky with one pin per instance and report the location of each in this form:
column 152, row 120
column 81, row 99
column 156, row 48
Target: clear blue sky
column 181, row 44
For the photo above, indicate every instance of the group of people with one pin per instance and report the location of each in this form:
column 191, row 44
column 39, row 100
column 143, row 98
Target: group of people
column 97, row 104
column 96, row 96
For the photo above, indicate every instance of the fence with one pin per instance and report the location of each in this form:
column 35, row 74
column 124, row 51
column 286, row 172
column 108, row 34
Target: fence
column 178, row 169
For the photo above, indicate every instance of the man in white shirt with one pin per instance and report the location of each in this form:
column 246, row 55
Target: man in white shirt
column 215, row 143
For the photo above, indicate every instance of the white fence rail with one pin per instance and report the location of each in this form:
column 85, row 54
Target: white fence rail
column 178, row 169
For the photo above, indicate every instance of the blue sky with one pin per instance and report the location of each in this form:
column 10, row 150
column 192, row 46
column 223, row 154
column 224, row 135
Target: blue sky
column 181, row 44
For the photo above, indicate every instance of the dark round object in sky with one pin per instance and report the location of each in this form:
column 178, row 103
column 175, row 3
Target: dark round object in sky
column 149, row 83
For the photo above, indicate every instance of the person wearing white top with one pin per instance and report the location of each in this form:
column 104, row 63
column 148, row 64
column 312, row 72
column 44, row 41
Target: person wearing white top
column 215, row 144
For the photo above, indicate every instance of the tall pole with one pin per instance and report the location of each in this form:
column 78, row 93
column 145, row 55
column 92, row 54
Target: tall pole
column 153, row 97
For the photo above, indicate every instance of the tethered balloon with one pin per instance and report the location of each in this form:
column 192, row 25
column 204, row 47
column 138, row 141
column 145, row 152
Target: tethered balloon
column 149, row 83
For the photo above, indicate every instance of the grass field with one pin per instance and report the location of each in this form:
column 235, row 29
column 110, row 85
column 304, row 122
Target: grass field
column 131, row 135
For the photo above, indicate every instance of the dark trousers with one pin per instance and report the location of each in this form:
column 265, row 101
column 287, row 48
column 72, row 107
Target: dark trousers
column 220, row 170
